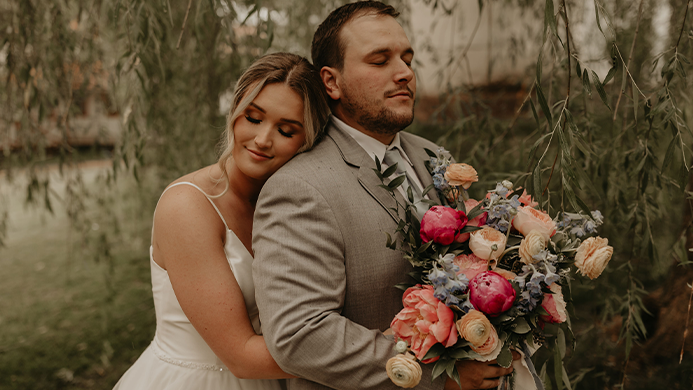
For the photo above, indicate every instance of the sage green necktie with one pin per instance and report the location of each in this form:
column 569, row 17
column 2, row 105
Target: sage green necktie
column 393, row 156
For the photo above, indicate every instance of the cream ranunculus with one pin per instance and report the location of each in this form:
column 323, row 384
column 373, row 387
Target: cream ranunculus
column 461, row 175
column 482, row 243
column 528, row 219
column 404, row 370
column 531, row 245
column 474, row 327
column 592, row 256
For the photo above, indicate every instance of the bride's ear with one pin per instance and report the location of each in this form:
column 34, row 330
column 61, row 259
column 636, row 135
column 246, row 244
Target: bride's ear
column 330, row 78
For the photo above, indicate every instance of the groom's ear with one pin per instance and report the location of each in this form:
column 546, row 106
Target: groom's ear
column 330, row 77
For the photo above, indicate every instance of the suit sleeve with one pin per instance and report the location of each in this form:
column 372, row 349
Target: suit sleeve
column 300, row 281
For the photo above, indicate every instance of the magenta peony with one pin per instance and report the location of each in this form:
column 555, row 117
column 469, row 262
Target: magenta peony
column 479, row 220
column 442, row 225
column 424, row 321
column 491, row 293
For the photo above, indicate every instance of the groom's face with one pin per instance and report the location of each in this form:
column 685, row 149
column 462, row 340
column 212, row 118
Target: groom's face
column 377, row 83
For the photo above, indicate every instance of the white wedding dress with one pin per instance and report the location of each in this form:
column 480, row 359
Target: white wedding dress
column 178, row 357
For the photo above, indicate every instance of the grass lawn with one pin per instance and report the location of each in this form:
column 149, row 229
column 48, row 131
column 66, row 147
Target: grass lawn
column 69, row 321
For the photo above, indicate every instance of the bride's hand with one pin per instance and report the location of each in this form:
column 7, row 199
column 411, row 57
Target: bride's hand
column 388, row 332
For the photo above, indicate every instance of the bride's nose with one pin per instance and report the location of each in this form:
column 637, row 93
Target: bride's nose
column 263, row 138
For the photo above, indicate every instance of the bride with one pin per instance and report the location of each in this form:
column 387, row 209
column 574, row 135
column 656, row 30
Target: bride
column 208, row 332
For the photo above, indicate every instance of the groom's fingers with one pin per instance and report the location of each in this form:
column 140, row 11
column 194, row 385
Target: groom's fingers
column 490, row 384
column 495, row 371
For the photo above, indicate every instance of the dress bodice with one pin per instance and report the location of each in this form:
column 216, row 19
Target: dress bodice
column 176, row 338
column 178, row 358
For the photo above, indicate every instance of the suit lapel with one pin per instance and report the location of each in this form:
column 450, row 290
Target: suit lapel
column 418, row 157
column 354, row 155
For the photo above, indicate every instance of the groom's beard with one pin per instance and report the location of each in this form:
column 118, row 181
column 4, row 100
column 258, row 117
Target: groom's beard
column 373, row 116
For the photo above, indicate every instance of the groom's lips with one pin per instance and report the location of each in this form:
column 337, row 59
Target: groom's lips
column 401, row 94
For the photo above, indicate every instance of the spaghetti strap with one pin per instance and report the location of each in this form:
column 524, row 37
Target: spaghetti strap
column 204, row 193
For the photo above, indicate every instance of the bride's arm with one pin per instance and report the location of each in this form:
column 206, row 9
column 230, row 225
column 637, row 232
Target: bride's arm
column 188, row 242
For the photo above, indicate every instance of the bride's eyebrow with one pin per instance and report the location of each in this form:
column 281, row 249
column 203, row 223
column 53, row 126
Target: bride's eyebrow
column 297, row 123
column 258, row 107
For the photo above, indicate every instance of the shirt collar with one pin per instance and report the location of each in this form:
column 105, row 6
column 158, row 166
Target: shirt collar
column 372, row 146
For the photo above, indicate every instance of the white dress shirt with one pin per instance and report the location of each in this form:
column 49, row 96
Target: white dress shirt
column 375, row 148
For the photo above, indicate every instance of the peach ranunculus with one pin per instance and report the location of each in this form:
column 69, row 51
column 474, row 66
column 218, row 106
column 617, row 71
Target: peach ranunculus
column 424, row 321
column 461, row 175
column 404, row 370
column 528, row 219
column 554, row 305
column 592, row 256
column 477, row 221
column 474, row 327
column 531, row 245
column 482, row 243
column 470, row 265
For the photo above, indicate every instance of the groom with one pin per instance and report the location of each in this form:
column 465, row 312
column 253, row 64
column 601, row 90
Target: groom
column 323, row 275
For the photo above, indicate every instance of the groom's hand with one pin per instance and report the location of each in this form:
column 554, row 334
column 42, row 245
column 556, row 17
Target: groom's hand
column 479, row 375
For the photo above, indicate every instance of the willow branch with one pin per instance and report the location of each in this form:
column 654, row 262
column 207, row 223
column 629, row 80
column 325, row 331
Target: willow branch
column 630, row 56
column 567, row 97
column 182, row 30
column 683, row 25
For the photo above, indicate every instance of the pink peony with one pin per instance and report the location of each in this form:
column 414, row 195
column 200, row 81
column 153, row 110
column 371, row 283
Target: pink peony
column 479, row 220
column 470, row 265
column 442, row 225
column 555, row 305
column 424, row 321
column 527, row 200
column 491, row 293
column 528, row 219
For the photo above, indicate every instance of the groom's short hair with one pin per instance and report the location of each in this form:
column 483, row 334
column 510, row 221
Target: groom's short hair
column 327, row 48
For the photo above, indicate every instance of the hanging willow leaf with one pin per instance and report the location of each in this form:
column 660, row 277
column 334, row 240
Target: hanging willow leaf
column 534, row 112
column 536, row 177
column 586, row 86
column 543, row 104
column 600, row 90
column 636, row 96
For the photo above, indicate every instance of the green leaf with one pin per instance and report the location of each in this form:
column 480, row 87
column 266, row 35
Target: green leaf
column 636, row 96
column 390, row 170
column 505, row 357
column 521, row 326
column 430, row 153
column 396, row 182
column 624, row 79
column 459, row 354
column 586, row 86
column 536, row 176
column 600, row 90
column 543, row 104
column 439, row 368
column 550, row 18
column 611, row 73
column 436, row 350
column 669, row 155
column 557, row 368
column 599, row 24
column 534, row 112
column 578, row 71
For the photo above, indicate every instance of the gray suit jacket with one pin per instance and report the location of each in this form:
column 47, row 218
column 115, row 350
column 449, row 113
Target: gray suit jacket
column 323, row 275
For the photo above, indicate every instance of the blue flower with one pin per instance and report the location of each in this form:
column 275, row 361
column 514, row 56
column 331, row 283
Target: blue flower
column 501, row 189
column 437, row 277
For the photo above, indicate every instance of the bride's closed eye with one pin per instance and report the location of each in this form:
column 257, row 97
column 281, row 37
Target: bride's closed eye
column 252, row 120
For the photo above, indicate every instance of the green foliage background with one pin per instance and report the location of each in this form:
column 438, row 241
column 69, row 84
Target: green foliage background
column 620, row 144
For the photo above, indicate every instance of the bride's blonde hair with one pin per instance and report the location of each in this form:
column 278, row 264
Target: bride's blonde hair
column 296, row 73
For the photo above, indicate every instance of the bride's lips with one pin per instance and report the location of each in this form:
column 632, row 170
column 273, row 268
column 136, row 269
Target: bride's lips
column 258, row 155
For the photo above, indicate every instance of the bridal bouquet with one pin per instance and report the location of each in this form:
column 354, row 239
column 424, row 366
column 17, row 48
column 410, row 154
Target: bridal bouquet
column 490, row 275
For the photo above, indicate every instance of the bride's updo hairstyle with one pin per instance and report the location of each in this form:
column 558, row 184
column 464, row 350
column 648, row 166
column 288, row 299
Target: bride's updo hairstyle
column 291, row 70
